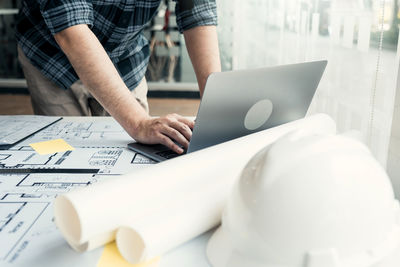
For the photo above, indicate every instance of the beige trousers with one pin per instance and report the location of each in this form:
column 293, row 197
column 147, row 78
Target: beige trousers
column 49, row 99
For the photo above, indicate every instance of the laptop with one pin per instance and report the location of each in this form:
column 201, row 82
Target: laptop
column 238, row 103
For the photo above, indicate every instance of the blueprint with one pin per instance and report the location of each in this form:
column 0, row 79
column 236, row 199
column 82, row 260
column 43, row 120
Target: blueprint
column 16, row 128
column 29, row 183
column 27, row 230
column 104, row 160
column 83, row 133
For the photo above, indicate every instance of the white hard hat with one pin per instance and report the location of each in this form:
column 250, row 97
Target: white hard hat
column 310, row 201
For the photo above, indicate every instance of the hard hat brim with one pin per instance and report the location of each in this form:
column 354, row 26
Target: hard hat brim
column 219, row 248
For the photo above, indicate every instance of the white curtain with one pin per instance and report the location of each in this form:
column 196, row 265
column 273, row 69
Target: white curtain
column 357, row 37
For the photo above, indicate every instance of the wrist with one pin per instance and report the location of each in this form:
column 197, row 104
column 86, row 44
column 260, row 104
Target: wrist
column 136, row 123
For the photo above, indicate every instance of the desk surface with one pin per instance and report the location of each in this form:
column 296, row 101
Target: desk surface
column 28, row 236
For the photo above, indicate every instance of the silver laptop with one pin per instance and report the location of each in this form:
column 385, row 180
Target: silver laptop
column 238, row 103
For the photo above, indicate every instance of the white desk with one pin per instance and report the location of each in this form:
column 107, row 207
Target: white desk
column 40, row 244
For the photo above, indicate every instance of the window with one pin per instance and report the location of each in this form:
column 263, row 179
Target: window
column 358, row 37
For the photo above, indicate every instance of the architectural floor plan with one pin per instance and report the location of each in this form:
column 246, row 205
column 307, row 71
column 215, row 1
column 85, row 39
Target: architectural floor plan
column 16, row 128
column 29, row 183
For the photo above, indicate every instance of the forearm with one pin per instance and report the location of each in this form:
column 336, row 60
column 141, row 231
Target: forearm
column 202, row 46
column 98, row 74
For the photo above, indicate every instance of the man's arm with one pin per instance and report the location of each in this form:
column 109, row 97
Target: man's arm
column 98, row 74
column 202, row 45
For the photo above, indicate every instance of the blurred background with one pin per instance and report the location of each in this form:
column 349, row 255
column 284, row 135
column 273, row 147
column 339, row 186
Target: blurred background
column 360, row 39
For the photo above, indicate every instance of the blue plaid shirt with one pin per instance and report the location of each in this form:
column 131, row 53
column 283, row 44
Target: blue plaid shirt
column 117, row 24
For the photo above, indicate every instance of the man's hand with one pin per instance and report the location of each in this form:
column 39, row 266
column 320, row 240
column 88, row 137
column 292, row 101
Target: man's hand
column 163, row 130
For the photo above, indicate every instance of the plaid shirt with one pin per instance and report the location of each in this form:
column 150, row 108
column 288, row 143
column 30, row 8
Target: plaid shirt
column 117, row 24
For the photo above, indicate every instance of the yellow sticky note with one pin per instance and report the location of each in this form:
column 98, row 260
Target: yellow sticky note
column 112, row 258
column 52, row 146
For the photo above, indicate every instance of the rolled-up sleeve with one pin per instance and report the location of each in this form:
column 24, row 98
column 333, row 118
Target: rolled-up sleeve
column 61, row 14
column 193, row 13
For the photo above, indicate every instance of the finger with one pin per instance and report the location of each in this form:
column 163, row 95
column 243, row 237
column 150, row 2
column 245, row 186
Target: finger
column 186, row 121
column 174, row 134
column 166, row 141
column 181, row 119
column 182, row 128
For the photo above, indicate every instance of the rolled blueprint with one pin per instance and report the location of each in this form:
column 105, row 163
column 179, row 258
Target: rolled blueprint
column 93, row 243
column 167, row 228
column 166, row 204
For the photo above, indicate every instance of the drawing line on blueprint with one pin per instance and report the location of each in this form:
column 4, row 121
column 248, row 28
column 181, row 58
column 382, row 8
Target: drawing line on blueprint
column 20, row 236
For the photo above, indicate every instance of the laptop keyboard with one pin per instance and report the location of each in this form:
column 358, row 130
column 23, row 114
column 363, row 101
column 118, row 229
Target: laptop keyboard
column 167, row 154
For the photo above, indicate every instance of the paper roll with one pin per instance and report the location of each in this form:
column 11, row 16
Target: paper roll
column 93, row 243
column 167, row 228
column 154, row 199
